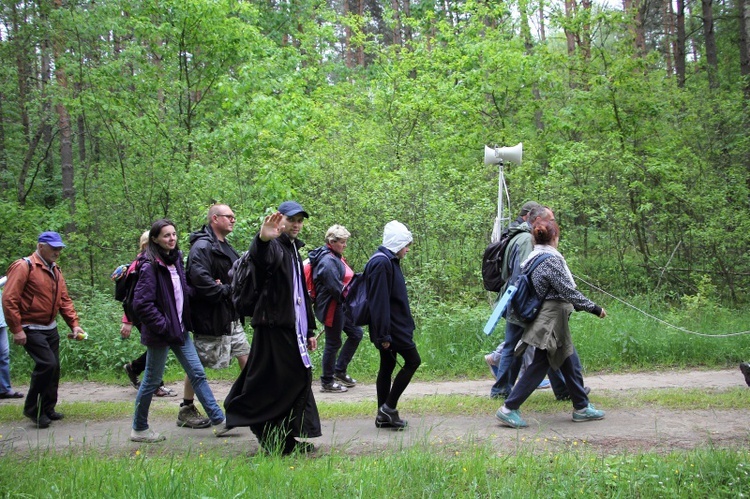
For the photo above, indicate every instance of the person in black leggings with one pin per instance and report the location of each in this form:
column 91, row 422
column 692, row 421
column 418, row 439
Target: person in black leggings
column 391, row 322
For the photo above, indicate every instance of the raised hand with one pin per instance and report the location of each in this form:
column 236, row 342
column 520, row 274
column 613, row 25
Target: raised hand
column 273, row 227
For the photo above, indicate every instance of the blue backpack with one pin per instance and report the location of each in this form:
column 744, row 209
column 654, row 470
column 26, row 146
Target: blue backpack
column 524, row 301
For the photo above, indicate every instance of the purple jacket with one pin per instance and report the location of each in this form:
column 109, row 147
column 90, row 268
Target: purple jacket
column 154, row 303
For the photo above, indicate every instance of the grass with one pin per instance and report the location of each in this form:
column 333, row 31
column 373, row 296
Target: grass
column 469, row 471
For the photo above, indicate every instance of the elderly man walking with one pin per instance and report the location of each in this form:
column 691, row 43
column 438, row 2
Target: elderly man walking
column 33, row 296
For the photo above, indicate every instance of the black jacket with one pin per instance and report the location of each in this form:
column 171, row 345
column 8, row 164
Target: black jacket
column 390, row 316
column 211, row 306
column 273, row 264
column 328, row 275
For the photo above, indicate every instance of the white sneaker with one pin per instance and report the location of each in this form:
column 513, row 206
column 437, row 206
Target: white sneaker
column 148, row 436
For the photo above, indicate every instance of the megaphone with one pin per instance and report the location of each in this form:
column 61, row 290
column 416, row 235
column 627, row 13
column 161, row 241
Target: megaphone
column 495, row 155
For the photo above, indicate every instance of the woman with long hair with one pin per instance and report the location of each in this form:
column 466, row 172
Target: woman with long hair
column 161, row 304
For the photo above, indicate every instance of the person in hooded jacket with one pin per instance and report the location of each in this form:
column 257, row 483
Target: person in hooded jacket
column 273, row 394
column 332, row 275
column 391, row 323
column 160, row 301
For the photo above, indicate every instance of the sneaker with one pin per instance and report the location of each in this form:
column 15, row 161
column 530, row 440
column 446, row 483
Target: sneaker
column 566, row 396
column 345, row 380
column 333, row 388
column 221, row 428
column 148, row 436
column 189, row 416
column 745, row 368
column 588, row 413
column 544, row 385
column 163, row 391
column 388, row 418
column 42, row 421
column 512, row 419
column 132, row 376
column 490, row 364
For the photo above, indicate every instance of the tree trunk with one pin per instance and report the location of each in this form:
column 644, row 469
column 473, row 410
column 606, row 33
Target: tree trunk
column 66, row 132
column 570, row 10
column 4, row 173
column 743, row 6
column 397, row 40
column 679, row 44
column 712, row 60
column 23, row 72
column 668, row 13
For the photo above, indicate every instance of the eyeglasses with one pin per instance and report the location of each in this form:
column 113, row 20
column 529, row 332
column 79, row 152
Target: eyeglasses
column 231, row 218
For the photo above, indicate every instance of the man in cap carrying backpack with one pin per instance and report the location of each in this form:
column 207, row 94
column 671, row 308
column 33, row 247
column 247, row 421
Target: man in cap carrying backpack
column 33, row 296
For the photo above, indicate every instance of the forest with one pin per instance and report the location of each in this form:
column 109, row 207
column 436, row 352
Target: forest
column 633, row 118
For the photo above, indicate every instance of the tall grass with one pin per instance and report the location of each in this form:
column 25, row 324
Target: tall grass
column 467, row 471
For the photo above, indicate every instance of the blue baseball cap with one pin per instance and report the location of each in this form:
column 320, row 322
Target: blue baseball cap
column 291, row 208
column 52, row 238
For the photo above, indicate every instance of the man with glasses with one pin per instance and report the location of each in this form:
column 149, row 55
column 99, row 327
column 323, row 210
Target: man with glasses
column 217, row 331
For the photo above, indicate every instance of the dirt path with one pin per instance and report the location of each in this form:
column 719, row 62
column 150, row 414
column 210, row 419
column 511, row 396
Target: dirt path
column 622, row 430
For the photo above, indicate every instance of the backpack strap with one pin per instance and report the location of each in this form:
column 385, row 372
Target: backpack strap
column 533, row 264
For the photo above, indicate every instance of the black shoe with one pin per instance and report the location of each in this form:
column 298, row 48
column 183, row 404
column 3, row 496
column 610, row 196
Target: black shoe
column 295, row 445
column 132, row 376
column 388, row 418
column 43, row 421
column 745, row 368
column 55, row 416
column 566, row 395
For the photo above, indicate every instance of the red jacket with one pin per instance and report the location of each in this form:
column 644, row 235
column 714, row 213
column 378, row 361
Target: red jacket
column 35, row 295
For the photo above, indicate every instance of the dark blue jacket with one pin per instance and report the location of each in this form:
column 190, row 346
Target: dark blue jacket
column 328, row 275
column 390, row 315
column 273, row 264
column 154, row 303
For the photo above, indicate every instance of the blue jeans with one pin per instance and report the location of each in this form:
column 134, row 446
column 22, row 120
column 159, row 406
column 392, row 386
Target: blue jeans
column 333, row 344
column 509, row 366
column 4, row 361
column 156, row 361
column 534, row 374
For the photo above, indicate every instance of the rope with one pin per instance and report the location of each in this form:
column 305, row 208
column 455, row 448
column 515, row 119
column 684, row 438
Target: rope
column 688, row 331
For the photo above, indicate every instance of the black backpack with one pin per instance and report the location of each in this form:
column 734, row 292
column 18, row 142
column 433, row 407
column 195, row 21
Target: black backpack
column 356, row 308
column 492, row 263
column 525, row 301
column 243, row 288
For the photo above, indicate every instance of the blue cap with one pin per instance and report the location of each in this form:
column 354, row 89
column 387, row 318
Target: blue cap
column 291, row 208
column 52, row 238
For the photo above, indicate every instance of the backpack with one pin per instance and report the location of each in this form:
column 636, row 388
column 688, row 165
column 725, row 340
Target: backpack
column 125, row 289
column 309, row 282
column 525, row 302
column 356, row 308
column 243, row 288
column 492, row 263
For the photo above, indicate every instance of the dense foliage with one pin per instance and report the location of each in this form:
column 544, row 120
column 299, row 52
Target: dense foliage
column 116, row 112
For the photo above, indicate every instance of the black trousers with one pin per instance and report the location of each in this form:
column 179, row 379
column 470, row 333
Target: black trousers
column 44, row 348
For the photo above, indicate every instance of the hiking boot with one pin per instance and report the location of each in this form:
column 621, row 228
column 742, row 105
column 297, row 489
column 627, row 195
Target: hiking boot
column 588, row 413
column 42, row 421
column 745, row 368
column 132, row 376
column 566, row 395
column 388, row 418
column 148, row 436
column 221, row 428
column 189, row 416
column 512, row 418
column 345, row 380
column 333, row 388
column 55, row 416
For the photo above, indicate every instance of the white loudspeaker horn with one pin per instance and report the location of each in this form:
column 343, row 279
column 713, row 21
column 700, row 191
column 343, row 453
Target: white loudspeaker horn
column 495, row 155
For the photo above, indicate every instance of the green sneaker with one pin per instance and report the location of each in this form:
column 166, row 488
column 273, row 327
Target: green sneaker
column 512, row 419
column 588, row 413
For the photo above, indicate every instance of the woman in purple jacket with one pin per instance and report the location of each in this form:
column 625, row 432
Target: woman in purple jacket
column 161, row 304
